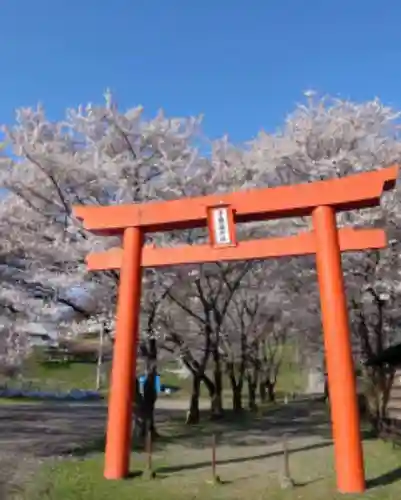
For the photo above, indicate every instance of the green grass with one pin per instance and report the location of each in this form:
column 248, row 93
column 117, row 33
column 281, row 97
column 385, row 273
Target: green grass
column 64, row 377
column 290, row 378
column 53, row 376
column 16, row 401
column 312, row 472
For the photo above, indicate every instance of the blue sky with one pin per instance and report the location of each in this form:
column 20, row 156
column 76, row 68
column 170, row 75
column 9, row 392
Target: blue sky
column 244, row 64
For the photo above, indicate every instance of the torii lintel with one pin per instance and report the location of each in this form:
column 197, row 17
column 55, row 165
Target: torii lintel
column 348, row 193
column 300, row 244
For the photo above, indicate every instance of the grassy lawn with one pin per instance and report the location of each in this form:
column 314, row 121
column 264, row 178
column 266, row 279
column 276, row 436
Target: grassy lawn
column 15, row 401
column 60, row 377
column 312, row 471
column 64, row 377
column 249, row 456
column 290, row 379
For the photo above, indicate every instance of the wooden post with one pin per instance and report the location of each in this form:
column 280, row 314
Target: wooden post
column 286, row 480
column 119, row 424
column 149, row 473
column 149, row 448
column 340, row 366
column 215, row 478
column 214, row 475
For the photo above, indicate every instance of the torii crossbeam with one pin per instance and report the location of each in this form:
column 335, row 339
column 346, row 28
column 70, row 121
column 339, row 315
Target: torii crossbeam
column 321, row 200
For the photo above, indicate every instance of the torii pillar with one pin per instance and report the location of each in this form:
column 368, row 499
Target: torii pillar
column 320, row 200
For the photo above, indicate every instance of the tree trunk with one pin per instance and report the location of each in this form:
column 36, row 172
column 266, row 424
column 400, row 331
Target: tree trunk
column 271, row 391
column 217, row 397
column 252, row 394
column 149, row 392
column 326, row 389
column 198, row 374
column 149, row 401
column 378, row 386
column 236, row 388
column 262, row 392
column 193, row 412
column 237, row 398
column 211, row 388
column 209, row 384
column 139, row 423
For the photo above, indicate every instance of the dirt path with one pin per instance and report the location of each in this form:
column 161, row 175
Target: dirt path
column 167, row 403
column 52, row 429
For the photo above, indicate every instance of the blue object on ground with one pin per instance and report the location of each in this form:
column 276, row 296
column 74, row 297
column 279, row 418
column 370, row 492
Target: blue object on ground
column 168, row 389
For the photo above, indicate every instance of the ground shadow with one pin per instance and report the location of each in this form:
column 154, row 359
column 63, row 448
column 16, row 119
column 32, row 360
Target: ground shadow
column 201, row 465
column 135, row 474
column 51, row 430
column 385, row 479
column 240, row 430
column 303, row 484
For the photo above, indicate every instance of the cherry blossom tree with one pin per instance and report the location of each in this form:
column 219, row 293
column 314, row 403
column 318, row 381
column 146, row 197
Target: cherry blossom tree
column 328, row 138
column 100, row 155
column 96, row 155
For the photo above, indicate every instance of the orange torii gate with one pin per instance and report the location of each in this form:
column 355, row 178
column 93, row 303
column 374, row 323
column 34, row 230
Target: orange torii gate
column 219, row 213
